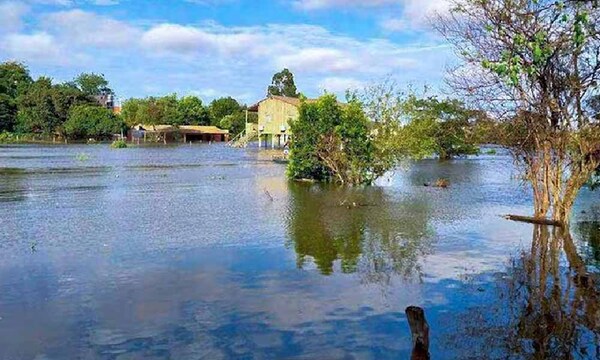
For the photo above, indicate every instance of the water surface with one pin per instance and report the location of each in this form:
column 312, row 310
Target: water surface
column 208, row 252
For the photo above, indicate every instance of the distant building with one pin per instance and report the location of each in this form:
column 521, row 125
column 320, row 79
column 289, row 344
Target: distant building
column 183, row 133
column 275, row 113
column 107, row 99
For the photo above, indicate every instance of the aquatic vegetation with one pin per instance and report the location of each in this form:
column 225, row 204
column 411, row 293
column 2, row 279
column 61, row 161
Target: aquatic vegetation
column 82, row 157
column 491, row 152
column 119, row 144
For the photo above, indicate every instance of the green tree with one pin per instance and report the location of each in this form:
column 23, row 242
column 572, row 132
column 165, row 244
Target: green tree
column 332, row 143
column 92, row 121
column 168, row 109
column 131, row 111
column 14, row 82
column 283, row 84
column 64, row 97
column 92, row 84
column 36, row 109
column 192, row 111
column 438, row 127
column 219, row 108
column 534, row 64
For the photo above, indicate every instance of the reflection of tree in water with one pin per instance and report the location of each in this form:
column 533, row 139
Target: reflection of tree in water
column 547, row 306
column 359, row 227
column 12, row 186
column 589, row 232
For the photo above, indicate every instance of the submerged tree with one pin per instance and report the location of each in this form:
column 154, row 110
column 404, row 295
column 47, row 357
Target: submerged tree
column 534, row 64
column 332, row 142
column 440, row 126
column 283, row 84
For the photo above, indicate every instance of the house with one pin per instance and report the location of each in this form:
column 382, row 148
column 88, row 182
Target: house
column 274, row 116
column 184, row 133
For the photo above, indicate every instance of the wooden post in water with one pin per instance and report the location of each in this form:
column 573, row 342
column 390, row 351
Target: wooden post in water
column 419, row 330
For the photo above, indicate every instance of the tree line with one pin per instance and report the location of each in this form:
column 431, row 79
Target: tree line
column 40, row 106
column 71, row 109
column 226, row 112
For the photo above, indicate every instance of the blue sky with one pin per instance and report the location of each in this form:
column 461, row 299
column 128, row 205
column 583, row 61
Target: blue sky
column 213, row 48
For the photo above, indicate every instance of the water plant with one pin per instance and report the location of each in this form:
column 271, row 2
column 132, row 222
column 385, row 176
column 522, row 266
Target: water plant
column 119, row 144
column 82, row 157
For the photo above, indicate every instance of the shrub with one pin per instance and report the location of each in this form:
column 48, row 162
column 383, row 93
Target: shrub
column 119, row 144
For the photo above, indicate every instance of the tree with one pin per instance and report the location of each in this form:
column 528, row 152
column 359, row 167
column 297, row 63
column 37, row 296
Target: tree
column 130, row 111
column 192, row 112
column 92, row 121
column 14, row 82
column 533, row 64
column 219, row 108
column 36, row 111
column 440, row 126
column 92, row 84
column 332, row 143
column 283, row 84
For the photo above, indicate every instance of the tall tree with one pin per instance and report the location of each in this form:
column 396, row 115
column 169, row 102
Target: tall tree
column 92, row 84
column 533, row 64
column 219, row 108
column 283, row 84
column 192, row 111
column 36, row 111
column 14, row 82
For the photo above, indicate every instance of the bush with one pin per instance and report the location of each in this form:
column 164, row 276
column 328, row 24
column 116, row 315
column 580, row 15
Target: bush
column 119, row 144
column 332, row 143
column 90, row 121
column 7, row 138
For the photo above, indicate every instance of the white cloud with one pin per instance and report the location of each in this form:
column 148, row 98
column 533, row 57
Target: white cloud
column 11, row 16
column 340, row 84
column 318, row 60
column 35, row 48
column 324, row 4
column 188, row 40
column 415, row 15
column 89, row 29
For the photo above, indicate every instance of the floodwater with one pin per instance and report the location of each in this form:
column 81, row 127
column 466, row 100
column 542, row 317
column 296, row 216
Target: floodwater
column 207, row 252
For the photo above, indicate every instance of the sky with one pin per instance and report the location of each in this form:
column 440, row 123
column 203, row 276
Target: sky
column 214, row 48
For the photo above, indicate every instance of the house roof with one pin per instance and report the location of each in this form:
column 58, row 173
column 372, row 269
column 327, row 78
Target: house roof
column 183, row 128
column 286, row 99
column 203, row 129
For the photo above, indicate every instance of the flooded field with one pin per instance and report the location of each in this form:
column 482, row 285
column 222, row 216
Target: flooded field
column 209, row 252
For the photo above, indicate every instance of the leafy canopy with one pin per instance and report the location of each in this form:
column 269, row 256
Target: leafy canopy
column 92, row 121
column 283, row 84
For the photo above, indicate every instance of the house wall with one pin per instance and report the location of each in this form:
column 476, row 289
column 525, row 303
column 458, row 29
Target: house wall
column 272, row 114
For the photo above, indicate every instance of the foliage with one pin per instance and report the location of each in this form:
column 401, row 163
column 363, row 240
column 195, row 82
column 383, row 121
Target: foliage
column 7, row 138
column 534, row 65
column 119, row 144
column 192, row 111
column 332, row 143
column 92, row 84
column 90, row 121
column 219, row 108
column 36, row 112
column 14, row 82
column 437, row 127
column 236, row 123
column 283, row 84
